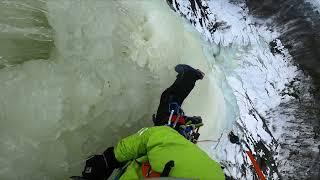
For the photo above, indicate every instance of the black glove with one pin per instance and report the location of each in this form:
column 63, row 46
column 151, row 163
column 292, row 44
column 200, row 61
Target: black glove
column 100, row 167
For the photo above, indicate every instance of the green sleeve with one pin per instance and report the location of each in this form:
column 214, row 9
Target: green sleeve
column 132, row 147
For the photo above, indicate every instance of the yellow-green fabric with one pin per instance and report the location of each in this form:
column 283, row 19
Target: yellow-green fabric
column 161, row 144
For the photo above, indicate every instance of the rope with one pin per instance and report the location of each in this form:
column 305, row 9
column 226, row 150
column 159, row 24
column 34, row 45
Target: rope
column 256, row 166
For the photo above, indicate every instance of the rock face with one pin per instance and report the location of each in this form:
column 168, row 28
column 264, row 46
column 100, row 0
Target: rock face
column 279, row 116
column 299, row 25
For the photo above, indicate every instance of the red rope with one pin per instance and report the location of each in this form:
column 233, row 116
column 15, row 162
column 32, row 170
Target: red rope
column 256, row 166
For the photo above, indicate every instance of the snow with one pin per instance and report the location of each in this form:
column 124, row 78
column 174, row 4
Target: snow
column 315, row 3
column 256, row 75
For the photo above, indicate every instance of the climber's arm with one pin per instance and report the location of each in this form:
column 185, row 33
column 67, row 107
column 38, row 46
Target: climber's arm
column 132, row 147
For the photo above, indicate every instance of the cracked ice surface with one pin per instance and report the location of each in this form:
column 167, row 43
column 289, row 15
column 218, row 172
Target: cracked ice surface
column 99, row 78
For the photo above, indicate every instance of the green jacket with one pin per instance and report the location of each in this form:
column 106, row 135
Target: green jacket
column 159, row 145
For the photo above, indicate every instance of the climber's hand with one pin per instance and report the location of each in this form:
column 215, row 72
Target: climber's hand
column 96, row 168
column 100, row 167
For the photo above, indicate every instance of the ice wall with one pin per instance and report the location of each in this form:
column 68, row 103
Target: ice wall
column 103, row 67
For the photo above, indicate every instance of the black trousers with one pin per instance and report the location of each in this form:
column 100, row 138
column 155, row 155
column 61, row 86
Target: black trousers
column 177, row 93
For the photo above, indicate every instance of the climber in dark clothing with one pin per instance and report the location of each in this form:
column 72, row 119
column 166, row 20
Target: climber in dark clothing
column 148, row 153
column 177, row 92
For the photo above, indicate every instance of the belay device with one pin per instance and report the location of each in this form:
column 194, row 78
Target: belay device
column 186, row 126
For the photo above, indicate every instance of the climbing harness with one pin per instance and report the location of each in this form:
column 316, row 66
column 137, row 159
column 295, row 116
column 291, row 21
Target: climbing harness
column 186, row 126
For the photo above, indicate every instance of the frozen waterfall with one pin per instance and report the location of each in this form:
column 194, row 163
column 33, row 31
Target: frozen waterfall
column 76, row 76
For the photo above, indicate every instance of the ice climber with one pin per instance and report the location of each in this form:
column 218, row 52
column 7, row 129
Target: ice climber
column 166, row 150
